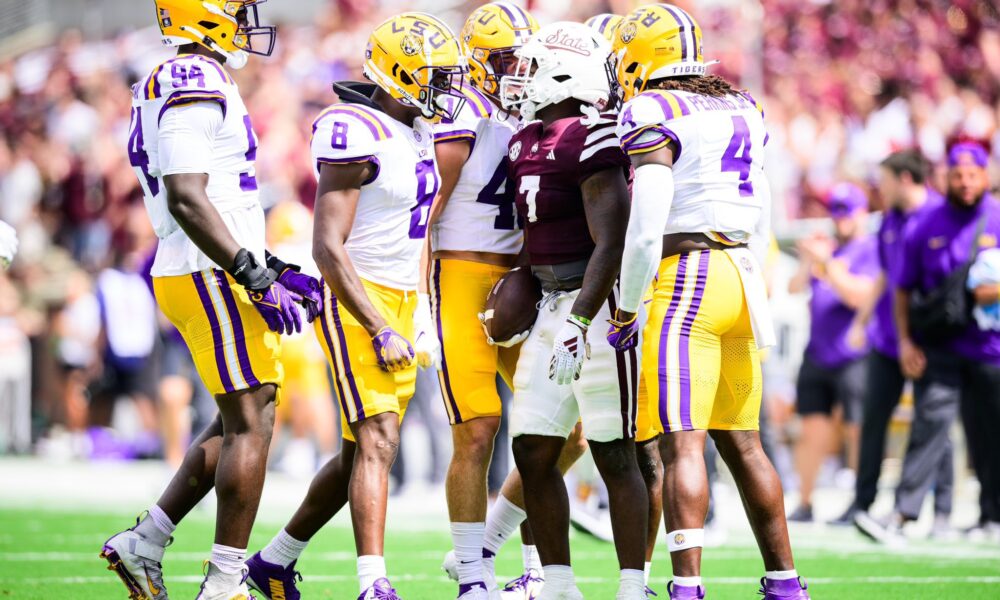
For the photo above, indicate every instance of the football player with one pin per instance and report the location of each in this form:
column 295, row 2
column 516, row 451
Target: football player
column 374, row 156
column 571, row 185
column 193, row 149
column 699, row 199
column 605, row 24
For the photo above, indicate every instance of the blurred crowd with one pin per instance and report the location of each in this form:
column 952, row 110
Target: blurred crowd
column 844, row 84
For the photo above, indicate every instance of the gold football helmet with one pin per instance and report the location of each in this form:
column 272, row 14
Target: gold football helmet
column 606, row 24
column 230, row 27
column 489, row 38
column 656, row 41
column 417, row 60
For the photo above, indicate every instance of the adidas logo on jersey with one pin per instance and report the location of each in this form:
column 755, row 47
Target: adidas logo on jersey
column 551, row 155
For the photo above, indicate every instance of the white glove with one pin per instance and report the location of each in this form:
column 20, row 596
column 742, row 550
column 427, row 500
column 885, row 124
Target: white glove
column 513, row 341
column 569, row 350
column 426, row 345
column 8, row 244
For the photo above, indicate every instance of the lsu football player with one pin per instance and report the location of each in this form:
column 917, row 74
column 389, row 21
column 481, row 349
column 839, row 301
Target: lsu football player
column 374, row 157
column 605, row 24
column 193, row 148
column 700, row 201
column 571, row 189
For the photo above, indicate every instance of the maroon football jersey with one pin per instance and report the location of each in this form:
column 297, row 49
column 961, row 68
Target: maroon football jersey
column 547, row 166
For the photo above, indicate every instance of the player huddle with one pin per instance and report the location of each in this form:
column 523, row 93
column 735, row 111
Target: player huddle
column 485, row 204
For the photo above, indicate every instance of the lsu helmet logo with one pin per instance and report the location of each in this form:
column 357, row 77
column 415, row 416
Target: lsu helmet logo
column 628, row 32
column 679, row 538
column 515, row 150
column 411, row 44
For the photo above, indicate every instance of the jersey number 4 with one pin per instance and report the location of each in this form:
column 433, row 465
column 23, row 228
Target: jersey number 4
column 500, row 193
column 137, row 156
column 737, row 157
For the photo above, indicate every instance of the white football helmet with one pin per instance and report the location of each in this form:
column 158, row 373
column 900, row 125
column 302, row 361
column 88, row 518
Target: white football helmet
column 562, row 60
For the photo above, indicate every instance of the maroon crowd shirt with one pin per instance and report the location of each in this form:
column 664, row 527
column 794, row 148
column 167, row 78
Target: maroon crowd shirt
column 547, row 167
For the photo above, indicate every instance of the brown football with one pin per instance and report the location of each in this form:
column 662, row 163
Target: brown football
column 512, row 304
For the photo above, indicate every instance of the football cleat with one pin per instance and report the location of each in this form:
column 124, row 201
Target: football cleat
column 273, row 581
column 888, row 531
column 685, row 592
column 473, row 591
column 380, row 590
column 526, row 587
column 650, row 593
column 213, row 590
column 783, row 589
column 450, row 565
column 137, row 563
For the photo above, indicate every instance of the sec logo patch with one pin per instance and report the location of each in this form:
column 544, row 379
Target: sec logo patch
column 515, row 150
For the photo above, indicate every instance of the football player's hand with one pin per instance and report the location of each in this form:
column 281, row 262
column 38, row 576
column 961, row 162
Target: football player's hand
column 624, row 331
column 426, row 345
column 271, row 299
column 306, row 287
column 569, row 350
column 857, row 337
column 394, row 352
column 509, row 343
column 8, row 244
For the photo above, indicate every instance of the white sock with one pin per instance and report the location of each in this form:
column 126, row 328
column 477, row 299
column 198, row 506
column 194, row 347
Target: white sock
column 501, row 522
column 468, row 541
column 229, row 560
column 688, row 581
column 631, row 578
column 283, row 549
column 559, row 577
column 780, row 575
column 370, row 568
column 156, row 527
column 530, row 558
column 645, row 573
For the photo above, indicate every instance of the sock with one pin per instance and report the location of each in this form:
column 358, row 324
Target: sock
column 283, row 550
column 559, row 577
column 501, row 522
column 468, row 541
column 631, row 578
column 156, row 527
column 530, row 558
column 780, row 575
column 370, row 568
column 229, row 560
column 688, row 581
column 645, row 573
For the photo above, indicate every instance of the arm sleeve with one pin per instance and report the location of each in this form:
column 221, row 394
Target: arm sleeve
column 186, row 139
column 652, row 194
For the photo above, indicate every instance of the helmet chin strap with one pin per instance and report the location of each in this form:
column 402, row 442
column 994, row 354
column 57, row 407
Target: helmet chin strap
column 234, row 60
column 380, row 79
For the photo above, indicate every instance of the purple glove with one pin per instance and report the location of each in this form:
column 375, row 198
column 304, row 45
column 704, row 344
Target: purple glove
column 394, row 352
column 307, row 288
column 623, row 335
column 275, row 303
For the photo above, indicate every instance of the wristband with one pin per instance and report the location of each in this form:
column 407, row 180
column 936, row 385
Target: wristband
column 249, row 273
column 278, row 265
column 581, row 322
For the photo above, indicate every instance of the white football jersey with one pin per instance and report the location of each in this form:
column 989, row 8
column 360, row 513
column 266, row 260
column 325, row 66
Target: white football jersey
column 391, row 219
column 719, row 183
column 227, row 153
column 480, row 215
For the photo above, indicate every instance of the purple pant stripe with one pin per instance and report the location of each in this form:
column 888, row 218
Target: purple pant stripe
column 345, row 356
column 664, row 347
column 685, row 338
column 220, row 358
column 445, row 378
column 625, row 403
column 633, row 365
column 328, row 339
column 241, row 341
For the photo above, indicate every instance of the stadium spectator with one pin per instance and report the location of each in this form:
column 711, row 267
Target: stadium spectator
column 841, row 274
column 903, row 188
column 954, row 363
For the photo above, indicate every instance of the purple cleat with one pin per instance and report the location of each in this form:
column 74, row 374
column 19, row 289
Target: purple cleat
column 783, row 589
column 380, row 590
column 685, row 592
column 274, row 581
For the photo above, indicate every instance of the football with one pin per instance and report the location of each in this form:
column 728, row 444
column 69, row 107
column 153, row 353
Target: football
column 512, row 305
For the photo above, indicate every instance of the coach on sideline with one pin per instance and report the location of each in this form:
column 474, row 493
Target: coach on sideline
column 952, row 361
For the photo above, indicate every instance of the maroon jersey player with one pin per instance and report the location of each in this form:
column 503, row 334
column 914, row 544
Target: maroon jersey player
column 570, row 181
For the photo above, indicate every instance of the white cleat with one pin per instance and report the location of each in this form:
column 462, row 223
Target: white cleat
column 572, row 593
column 137, row 563
column 450, row 565
column 632, row 593
column 526, row 587
column 477, row 593
column 213, row 589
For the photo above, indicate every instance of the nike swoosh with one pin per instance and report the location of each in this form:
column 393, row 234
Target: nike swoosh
column 152, row 587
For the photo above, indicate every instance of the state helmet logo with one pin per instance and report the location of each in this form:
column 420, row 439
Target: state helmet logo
column 515, row 150
column 411, row 44
column 628, row 32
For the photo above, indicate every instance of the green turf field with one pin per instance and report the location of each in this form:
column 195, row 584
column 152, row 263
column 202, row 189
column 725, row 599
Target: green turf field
column 53, row 554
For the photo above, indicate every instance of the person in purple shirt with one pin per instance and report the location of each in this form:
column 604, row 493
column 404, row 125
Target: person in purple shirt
column 902, row 186
column 961, row 373
column 841, row 274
